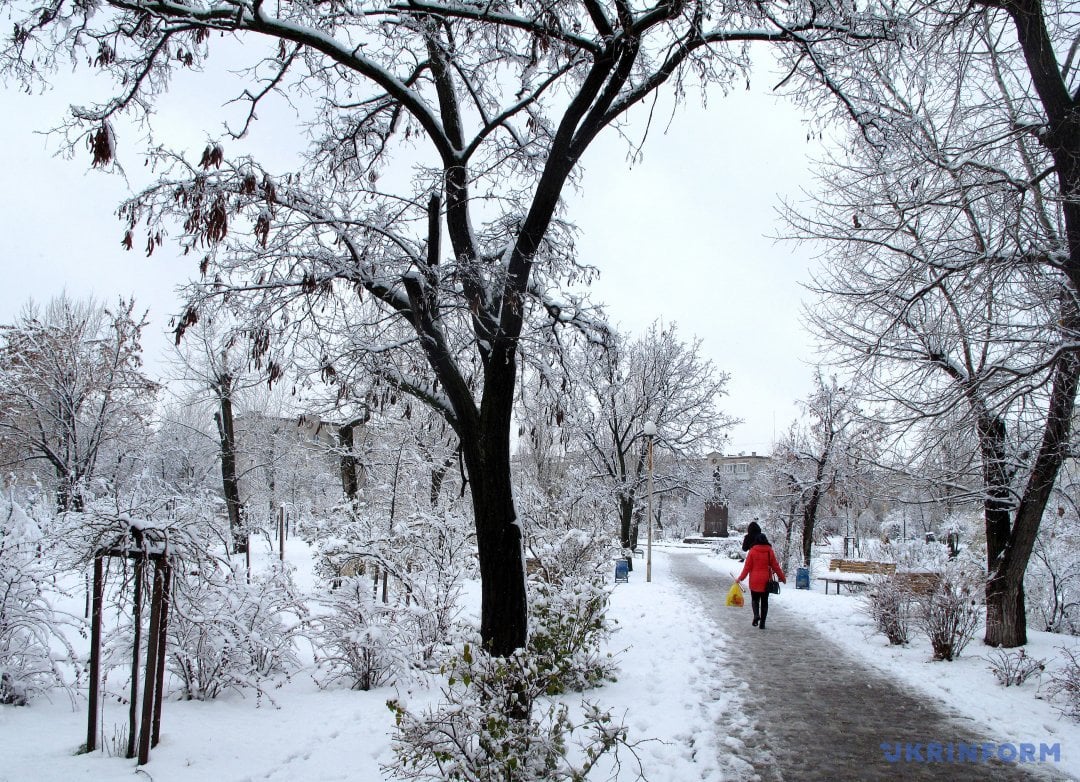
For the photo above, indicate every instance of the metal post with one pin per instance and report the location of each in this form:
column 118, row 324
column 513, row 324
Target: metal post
column 650, row 432
column 151, row 684
column 133, row 710
column 281, row 533
column 163, row 633
column 95, row 654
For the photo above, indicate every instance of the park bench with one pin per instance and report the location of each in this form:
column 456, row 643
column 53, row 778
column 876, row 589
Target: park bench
column 918, row 582
column 855, row 572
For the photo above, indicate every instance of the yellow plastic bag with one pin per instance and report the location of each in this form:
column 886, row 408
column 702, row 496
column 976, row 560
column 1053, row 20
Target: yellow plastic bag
column 735, row 594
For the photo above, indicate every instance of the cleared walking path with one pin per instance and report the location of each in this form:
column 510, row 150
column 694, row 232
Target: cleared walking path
column 811, row 712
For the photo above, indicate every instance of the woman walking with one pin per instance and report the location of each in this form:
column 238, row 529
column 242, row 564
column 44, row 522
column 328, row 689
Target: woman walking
column 760, row 564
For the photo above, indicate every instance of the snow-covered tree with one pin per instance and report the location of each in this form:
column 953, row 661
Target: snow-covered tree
column 1052, row 581
column 817, row 461
column 72, row 391
column 616, row 388
column 493, row 108
column 212, row 368
column 955, row 251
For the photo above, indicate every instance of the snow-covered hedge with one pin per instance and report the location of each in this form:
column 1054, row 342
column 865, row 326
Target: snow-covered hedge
column 359, row 640
column 34, row 650
column 227, row 634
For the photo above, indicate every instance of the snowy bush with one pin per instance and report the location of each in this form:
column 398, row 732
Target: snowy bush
column 440, row 559
column 494, row 726
column 890, row 604
column 419, row 569
column 227, row 634
column 359, row 640
column 1064, row 685
column 573, row 554
column 31, row 630
column 950, row 615
column 568, row 625
column 1052, row 579
column 1014, row 668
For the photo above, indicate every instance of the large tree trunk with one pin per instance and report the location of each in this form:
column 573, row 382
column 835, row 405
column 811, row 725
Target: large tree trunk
column 1006, row 618
column 485, row 446
column 997, row 477
column 1006, row 621
column 1006, row 614
column 230, row 484
column 504, row 608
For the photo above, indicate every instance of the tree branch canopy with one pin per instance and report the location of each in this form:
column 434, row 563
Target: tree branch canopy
column 488, row 106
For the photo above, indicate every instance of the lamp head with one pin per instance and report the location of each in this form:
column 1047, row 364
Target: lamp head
column 649, row 429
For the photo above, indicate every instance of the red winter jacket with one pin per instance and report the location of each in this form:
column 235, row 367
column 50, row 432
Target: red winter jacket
column 760, row 562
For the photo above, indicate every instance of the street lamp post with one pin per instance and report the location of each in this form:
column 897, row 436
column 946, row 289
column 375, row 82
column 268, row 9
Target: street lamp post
column 650, row 432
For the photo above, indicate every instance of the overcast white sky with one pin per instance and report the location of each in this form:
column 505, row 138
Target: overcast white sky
column 680, row 236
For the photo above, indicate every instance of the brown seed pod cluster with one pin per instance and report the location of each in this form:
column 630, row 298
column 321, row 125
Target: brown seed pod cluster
column 101, row 145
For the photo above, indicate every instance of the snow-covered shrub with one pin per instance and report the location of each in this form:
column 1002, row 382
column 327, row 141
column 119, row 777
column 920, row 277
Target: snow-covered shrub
column 1014, row 668
column 359, row 640
column 568, row 602
column 427, row 558
column 33, row 645
column 440, row 559
column 951, row 614
column 574, row 554
column 493, row 725
column 568, row 624
column 1064, row 685
column 1052, row 579
column 228, row 634
column 890, row 604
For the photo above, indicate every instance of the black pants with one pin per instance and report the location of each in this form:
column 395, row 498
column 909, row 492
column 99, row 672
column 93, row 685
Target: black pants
column 760, row 603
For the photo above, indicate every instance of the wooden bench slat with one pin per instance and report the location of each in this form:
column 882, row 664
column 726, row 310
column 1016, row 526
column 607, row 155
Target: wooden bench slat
column 862, row 566
column 855, row 572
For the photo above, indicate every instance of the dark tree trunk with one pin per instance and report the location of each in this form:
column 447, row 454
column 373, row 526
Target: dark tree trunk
column 504, row 608
column 1006, row 621
column 627, row 527
column 438, row 478
column 68, row 495
column 789, row 527
column 1006, row 614
column 1006, row 617
column 350, row 465
column 997, row 505
column 230, row 485
column 809, row 522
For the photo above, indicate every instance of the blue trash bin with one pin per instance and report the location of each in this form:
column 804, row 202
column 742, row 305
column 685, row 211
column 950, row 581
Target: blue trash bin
column 802, row 578
column 622, row 572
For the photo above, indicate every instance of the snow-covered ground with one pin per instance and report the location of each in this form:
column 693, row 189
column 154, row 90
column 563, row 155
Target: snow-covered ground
column 673, row 692
column 1008, row 715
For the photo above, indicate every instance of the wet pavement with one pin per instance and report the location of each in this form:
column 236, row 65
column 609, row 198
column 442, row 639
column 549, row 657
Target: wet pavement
column 812, row 712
